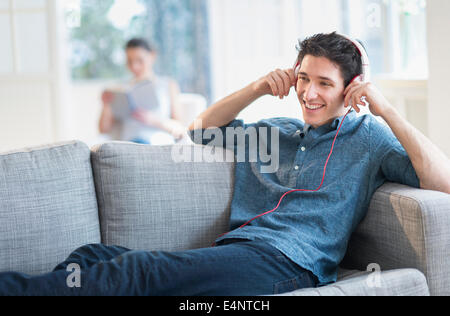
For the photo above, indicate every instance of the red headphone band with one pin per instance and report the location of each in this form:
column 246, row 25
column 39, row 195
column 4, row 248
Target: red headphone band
column 364, row 60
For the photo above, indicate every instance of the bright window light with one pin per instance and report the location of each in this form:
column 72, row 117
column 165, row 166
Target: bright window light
column 123, row 11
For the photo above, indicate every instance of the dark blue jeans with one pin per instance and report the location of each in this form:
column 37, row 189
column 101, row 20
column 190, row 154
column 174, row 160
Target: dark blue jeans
column 235, row 268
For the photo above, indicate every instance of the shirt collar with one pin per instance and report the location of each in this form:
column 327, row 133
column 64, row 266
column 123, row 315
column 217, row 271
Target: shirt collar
column 328, row 127
column 335, row 124
column 306, row 128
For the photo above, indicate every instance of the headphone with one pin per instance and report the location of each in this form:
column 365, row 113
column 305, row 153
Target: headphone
column 365, row 75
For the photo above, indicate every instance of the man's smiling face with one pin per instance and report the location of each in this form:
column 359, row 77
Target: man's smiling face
column 320, row 89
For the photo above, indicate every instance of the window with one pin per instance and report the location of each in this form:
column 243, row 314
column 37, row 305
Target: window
column 408, row 41
column 24, row 29
column 253, row 37
column 214, row 47
column 178, row 29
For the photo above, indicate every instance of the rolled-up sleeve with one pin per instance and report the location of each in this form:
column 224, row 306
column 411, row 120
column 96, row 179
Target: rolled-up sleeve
column 390, row 156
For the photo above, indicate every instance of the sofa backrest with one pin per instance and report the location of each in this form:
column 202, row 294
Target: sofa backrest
column 48, row 206
column 148, row 200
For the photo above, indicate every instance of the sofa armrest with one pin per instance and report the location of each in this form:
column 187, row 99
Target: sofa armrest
column 405, row 228
column 403, row 282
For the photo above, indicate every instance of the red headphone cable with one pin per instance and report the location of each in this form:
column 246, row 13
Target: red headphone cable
column 296, row 190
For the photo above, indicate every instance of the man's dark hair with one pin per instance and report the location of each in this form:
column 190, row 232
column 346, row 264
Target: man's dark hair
column 139, row 43
column 337, row 49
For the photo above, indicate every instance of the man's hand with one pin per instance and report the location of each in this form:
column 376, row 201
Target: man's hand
column 430, row 163
column 277, row 83
column 358, row 91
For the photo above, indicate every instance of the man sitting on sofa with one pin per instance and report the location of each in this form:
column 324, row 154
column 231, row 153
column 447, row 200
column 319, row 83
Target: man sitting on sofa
column 303, row 241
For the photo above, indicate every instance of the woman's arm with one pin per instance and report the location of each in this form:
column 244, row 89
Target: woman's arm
column 173, row 125
column 175, row 104
column 106, row 122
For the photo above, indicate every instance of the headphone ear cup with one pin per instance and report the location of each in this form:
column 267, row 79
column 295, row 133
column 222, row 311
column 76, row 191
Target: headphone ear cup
column 296, row 73
column 364, row 58
column 296, row 68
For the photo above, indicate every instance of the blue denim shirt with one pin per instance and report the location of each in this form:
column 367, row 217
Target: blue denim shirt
column 313, row 228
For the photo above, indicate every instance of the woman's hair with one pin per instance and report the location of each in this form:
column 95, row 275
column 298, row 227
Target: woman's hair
column 337, row 49
column 139, row 43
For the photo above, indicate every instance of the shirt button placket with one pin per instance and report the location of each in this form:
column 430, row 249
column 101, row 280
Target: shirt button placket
column 303, row 149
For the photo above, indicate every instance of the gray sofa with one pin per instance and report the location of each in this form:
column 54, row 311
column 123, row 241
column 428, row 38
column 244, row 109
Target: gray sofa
column 56, row 198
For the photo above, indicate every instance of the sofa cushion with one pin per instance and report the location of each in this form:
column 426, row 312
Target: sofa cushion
column 48, row 206
column 402, row 282
column 149, row 201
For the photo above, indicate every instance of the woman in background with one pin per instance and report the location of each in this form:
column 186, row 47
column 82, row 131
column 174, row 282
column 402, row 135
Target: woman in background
column 160, row 125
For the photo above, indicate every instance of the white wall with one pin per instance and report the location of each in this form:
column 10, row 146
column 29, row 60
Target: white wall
column 250, row 38
column 85, row 108
column 32, row 76
column 409, row 97
column 438, row 25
